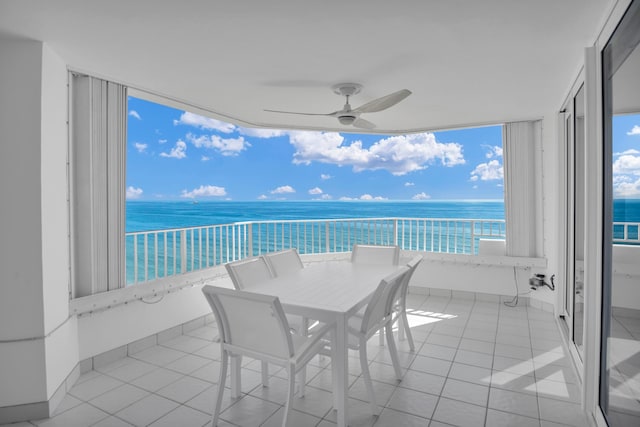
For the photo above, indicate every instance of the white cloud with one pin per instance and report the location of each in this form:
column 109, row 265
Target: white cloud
column 134, row 113
column 324, row 197
column 364, row 197
column 133, row 193
column 316, row 190
column 634, row 131
column 283, row 190
column 262, row 197
column 493, row 151
column 627, row 164
column 162, row 141
column 205, row 159
column 421, row 196
column 177, row 152
column 201, row 122
column 625, row 187
column 204, row 191
column 325, row 176
column 488, row 171
column 397, row 154
column 409, row 184
column 262, row 133
column 140, row 147
column 629, row 151
column 226, row 146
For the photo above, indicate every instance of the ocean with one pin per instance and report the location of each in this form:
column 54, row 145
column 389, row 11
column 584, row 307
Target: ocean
column 158, row 215
column 167, row 253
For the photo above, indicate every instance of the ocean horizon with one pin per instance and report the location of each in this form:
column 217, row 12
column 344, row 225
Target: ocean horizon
column 160, row 215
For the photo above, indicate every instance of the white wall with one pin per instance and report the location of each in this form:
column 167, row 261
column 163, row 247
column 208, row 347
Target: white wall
column 61, row 348
column 39, row 347
column 550, row 204
column 108, row 329
column 21, row 298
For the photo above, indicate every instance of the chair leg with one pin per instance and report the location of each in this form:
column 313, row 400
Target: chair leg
column 401, row 327
column 265, row 374
column 364, row 365
column 405, row 322
column 221, row 382
column 236, row 380
column 393, row 351
column 302, row 381
column 290, row 392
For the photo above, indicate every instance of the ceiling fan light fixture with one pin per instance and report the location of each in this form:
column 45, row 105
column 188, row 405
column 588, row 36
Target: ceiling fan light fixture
column 347, row 120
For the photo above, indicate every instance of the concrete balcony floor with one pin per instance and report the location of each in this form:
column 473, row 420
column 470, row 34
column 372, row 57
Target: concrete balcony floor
column 476, row 363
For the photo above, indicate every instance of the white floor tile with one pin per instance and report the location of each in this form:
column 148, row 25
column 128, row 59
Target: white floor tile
column 184, row 389
column 474, row 358
column 157, row 379
column 459, row 413
column 147, row 410
column 473, row 374
column 80, row 416
column 561, row 412
column 391, row 417
column 506, row 419
column 413, row 402
column 466, row 392
column 94, row 387
column 431, row 365
column 119, row 398
column 183, row 416
column 249, row 411
column 513, row 402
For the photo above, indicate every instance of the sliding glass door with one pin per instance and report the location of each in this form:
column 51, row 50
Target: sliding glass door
column 620, row 345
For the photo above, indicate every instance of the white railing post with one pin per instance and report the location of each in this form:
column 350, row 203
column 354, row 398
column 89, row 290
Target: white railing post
column 183, row 251
column 395, row 231
column 250, row 235
column 473, row 238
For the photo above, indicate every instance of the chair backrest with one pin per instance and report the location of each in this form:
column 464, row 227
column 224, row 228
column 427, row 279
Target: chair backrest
column 381, row 302
column 401, row 293
column 284, row 262
column 250, row 323
column 375, row 254
column 248, row 271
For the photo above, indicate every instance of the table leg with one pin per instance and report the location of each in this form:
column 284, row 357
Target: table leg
column 340, row 369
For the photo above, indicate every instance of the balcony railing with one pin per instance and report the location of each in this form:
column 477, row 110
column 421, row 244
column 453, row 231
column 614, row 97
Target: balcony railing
column 156, row 254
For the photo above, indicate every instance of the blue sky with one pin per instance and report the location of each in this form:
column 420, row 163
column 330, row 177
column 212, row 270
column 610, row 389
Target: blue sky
column 175, row 155
column 626, row 156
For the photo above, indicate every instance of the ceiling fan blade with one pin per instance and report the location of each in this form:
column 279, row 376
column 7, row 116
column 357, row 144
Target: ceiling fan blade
column 363, row 124
column 384, row 102
column 304, row 114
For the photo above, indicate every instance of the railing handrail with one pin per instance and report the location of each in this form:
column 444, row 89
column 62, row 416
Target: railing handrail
column 279, row 221
column 152, row 254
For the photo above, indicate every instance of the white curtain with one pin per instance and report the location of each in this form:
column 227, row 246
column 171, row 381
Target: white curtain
column 520, row 140
column 98, row 168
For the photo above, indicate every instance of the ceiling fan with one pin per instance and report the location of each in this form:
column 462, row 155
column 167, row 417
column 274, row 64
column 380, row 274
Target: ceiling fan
column 349, row 116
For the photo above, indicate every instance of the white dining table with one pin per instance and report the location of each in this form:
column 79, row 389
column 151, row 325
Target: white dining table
column 329, row 291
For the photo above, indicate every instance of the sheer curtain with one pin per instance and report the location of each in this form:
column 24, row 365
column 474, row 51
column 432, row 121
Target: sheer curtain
column 97, row 178
column 520, row 140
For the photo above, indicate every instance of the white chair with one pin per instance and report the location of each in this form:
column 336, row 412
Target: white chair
column 400, row 303
column 284, row 262
column 255, row 325
column 377, row 315
column 375, row 254
column 248, row 272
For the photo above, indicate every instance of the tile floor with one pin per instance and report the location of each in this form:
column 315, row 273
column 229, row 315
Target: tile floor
column 476, row 363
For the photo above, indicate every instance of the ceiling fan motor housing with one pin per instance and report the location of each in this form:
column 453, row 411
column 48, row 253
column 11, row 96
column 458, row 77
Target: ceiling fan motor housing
column 347, row 119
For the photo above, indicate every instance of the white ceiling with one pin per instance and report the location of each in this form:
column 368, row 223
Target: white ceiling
column 467, row 62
